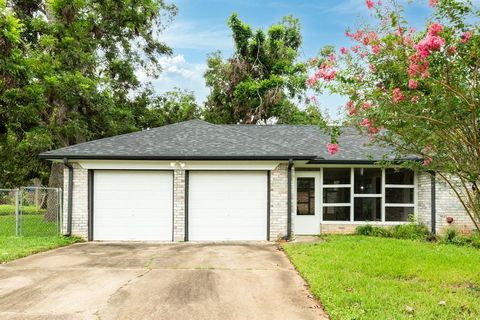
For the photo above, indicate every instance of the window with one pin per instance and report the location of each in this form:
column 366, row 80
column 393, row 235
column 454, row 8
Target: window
column 337, row 190
column 305, row 196
column 399, row 194
column 367, row 194
column 368, row 181
column 336, row 176
column 368, row 209
column 336, row 213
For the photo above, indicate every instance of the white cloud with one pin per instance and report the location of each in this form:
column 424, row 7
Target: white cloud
column 179, row 73
column 188, row 35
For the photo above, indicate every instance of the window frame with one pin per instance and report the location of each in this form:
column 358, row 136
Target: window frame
column 310, row 193
column 353, row 195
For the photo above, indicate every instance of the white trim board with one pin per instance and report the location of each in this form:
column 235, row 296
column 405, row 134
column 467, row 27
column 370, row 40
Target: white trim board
column 167, row 165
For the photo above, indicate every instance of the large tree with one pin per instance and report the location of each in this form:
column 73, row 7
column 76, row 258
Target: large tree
column 68, row 74
column 417, row 91
column 263, row 78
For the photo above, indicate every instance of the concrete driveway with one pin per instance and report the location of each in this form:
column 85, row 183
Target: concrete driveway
column 155, row 281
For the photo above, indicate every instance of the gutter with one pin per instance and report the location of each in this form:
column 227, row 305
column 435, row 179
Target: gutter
column 339, row 161
column 69, row 196
column 289, row 199
column 433, row 203
column 202, row 158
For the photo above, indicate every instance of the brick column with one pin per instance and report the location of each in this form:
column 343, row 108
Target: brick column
column 179, row 205
column 278, row 202
column 79, row 201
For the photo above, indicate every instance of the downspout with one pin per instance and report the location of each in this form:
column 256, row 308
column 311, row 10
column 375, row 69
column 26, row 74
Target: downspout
column 69, row 196
column 433, row 203
column 289, row 199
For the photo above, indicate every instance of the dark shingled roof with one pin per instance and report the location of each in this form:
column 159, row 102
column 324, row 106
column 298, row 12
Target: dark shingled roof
column 196, row 139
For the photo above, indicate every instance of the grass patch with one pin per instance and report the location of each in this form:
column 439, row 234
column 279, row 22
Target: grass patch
column 7, row 210
column 18, row 247
column 33, row 226
column 360, row 277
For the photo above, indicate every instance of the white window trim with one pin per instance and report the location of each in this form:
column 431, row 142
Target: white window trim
column 374, row 195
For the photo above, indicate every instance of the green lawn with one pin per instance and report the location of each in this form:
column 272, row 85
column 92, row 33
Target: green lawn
column 17, row 247
column 39, row 235
column 357, row 277
column 33, row 226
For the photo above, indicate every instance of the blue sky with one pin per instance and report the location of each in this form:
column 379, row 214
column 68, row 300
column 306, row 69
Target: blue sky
column 200, row 28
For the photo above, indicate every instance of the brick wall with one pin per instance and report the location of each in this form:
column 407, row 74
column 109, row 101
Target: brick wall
column 179, row 205
column 278, row 202
column 447, row 205
column 79, row 201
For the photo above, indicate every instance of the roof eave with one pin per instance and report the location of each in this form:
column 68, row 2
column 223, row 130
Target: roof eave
column 205, row 158
column 363, row 161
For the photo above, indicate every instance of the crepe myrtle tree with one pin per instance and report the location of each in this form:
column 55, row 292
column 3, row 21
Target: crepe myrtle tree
column 415, row 90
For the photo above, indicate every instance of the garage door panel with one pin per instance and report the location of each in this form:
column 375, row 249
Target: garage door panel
column 133, row 205
column 227, row 205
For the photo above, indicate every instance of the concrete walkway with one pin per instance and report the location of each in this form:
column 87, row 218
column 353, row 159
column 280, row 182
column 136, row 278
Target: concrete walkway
column 155, row 281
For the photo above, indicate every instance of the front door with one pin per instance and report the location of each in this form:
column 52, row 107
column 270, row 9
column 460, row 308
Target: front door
column 307, row 217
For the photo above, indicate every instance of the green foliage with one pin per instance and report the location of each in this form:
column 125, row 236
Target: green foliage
column 418, row 92
column 358, row 277
column 68, row 75
column 402, row 231
column 261, row 80
column 452, row 236
column 9, row 210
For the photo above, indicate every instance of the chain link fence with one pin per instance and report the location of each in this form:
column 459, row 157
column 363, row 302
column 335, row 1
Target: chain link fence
column 31, row 211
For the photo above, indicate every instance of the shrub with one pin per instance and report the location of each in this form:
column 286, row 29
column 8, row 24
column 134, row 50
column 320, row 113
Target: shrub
column 411, row 230
column 366, row 230
column 452, row 236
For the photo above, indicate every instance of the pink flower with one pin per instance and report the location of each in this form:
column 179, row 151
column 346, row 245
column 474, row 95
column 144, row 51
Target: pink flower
column 429, row 44
column 415, row 99
column 333, row 148
column 376, row 49
column 397, row 95
column 427, row 161
column 372, row 68
column 365, row 122
column 311, row 81
column 418, row 65
column 435, row 29
column 369, row 4
column 433, row 3
column 412, row 84
column 465, row 37
column 355, row 48
column 351, row 108
column 313, row 99
column 343, row 50
column 366, row 105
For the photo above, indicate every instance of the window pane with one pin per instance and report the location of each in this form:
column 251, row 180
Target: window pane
column 336, row 176
column 336, row 213
column 398, row 176
column 399, row 195
column 397, row 213
column 336, row 195
column 368, row 180
column 305, row 196
column 368, row 209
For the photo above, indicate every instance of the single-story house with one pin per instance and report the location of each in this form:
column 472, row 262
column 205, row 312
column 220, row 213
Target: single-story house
column 196, row 181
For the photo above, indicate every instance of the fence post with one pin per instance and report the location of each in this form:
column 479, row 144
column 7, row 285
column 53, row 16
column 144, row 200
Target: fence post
column 17, row 205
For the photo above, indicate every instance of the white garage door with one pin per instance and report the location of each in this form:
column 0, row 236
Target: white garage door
column 133, row 205
column 227, row 205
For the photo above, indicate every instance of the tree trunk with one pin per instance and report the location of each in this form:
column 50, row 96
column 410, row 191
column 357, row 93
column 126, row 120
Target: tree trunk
column 55, row 181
